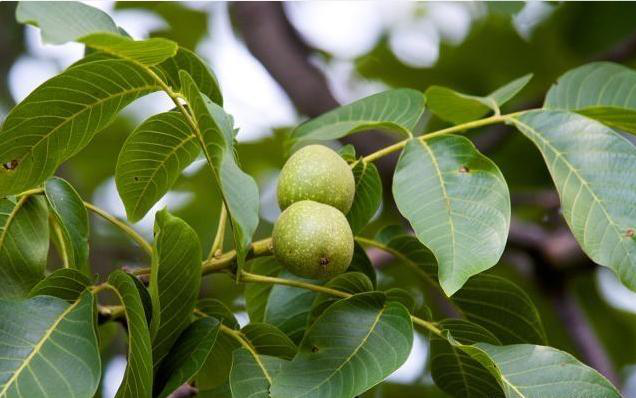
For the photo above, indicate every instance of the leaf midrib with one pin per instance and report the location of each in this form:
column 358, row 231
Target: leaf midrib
column 37, row 347
column 11, row 218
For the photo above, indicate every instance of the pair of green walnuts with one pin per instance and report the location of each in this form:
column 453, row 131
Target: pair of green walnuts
column 312, row 238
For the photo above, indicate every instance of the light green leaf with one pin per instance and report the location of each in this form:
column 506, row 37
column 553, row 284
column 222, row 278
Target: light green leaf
column 239, row 190
column 368, row 195
column 137, row 381
column 61, row 116
column 175, row 279
column 72, row 217
column 64, row 283
column 267, row 339
column 394, row 110
column 65, row 21
column 343, row 359
column 532, row 371
column 256, row 294
column 288, row 308
column 146, row 52
column 456, row 372
column 458, row 203
column 187, row 356
column 48, row 348
column 24, row 244
column 599, row 90
column 490, row 301
column 349, row 282
column 592, row 168
column 458, row 108
column 251, row 375
column 151, row 160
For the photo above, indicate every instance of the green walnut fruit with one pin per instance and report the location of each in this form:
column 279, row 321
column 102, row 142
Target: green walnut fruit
column 316, row 173
column 313, row 240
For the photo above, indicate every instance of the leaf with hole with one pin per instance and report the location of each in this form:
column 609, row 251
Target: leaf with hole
column 599, row 90
column 592, row 168
column 137, row 382
column 72, row 217
column 48, row 347
column 175, row 279
column 24, row 244
column 458, row 203
column 343, row 359
column 251, row 374
column 394, row 110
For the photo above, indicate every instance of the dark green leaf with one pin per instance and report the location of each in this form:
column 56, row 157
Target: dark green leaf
column 137, row 381
column 251, row 375
column 592, row 168
column 175, row 278
column 61, row 116
column 60, row 21
column 256, row 294
column 457, row 108
column 151, row 160
column 395, row 110
column 216, row 309
column 187, row 356
column 48, row 348
column 24, row 244
column 599, row 90
column 368, row 196
column 349, row 282
column 403, row 297
column 239, row 190
column 458, row 373
column 355, row 344
column 269, row 340
column 72, row 217
column 288, row 308
column 64, row 283
column 458, row 203
column 361, row 263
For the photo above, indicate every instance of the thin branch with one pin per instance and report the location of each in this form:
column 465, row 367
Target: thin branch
column 217, row 245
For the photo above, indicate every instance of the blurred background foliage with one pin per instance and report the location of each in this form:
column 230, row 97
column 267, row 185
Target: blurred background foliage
column 342, row 51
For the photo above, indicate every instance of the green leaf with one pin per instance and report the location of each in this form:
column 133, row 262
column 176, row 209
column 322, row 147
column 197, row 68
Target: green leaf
column 24, row 244
column 239, row 190
column 256, row 294
column 502, row 307
column 490, row 301
column 599, row 90
column 187, row 356
column 528, row 371
column 592, row 168
column 72, row 217
column 458, row 108
column 251, row 375
column 405, row 298
column 146, row 52
column 64, row 283
column 458, row 203
column 151, row 159
column 342, row 358
column 48, row 348
column 288, row 308
column 456, row 372
column 175, row 279
column 61, row 22
column 216, row 368
column 349, row 282
column 394, row 110
column 137, row 381
column 368, row 195
column 361, row 263
column 61, row 116
column 269, row 340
